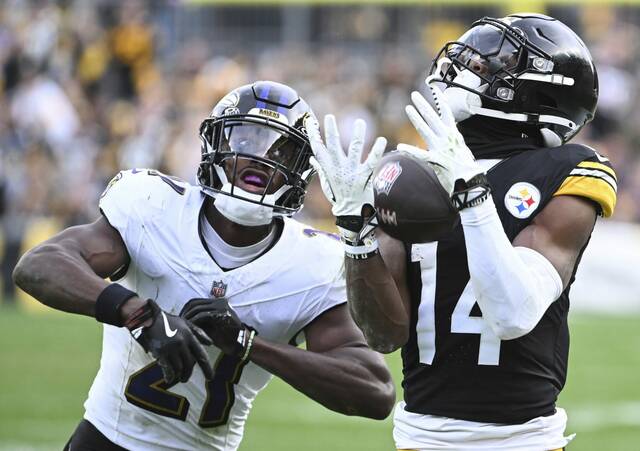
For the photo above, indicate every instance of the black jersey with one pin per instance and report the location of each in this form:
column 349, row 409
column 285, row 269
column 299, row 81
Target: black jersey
column 453, row 364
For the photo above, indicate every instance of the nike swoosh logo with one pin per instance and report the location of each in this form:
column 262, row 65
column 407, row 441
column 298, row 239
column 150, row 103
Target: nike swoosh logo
column 167, row 330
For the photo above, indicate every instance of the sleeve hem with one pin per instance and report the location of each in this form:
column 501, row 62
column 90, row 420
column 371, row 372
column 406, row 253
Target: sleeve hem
column 293, row 340
column 122, row 271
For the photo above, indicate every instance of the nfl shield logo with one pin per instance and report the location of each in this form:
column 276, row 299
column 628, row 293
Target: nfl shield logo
column 218, row 289
column 387, row 177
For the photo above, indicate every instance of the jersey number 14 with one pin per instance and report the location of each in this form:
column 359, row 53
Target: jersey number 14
column 461, row 320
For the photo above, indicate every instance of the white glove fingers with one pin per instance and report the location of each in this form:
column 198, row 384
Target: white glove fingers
column 433, row 120
column 437, row 162
column 417, row 152
column 421, row 126
column 332, row 138
column 315, row 140
column 315, row 164
column 322, row 174
column 377, row 150
column 420, row 154
column 324, row 182
column 313, row 130
column 356, row 146
column 441, row 105
column 409, row 148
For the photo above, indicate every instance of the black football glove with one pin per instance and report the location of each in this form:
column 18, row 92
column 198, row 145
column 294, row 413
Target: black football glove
column 222, row 325
column 175, row 343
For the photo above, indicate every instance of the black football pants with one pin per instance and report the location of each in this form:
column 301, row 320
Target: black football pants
column 87, row 438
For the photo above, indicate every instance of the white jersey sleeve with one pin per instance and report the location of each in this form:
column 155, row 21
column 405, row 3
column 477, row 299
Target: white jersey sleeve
column 132, row 200
column 324, row 260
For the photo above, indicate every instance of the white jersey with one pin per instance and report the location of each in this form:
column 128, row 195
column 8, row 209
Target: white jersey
column 279, row 294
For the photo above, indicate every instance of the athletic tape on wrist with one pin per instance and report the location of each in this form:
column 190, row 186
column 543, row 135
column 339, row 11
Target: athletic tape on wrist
column 362, row 256
column 109, row 302
column 361, row 250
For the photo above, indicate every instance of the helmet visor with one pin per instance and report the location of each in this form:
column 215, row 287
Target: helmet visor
column 250, row 139
column 487, row 51
column 260, row 156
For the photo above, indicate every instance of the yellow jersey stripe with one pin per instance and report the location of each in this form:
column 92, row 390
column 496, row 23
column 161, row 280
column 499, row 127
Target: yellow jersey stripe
column 593, row 188
column 597, row 173
column 595, row 165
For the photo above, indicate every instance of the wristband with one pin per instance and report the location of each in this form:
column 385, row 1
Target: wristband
column 356, row 228
column 109, row 302
column 471, row 193
column 247, row 338
column 361, row 249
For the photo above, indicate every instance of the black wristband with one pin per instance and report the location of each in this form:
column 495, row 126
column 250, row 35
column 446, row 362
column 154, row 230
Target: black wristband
column 351, row 223
column 471, row 193
column 109, row 302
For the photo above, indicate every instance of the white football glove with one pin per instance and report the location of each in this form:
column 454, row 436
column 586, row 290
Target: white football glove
column 447, row 152
column 345, row 180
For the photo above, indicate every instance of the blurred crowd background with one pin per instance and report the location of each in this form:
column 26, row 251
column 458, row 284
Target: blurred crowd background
column 89, row 88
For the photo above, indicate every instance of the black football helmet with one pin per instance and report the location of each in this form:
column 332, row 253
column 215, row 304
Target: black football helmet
column 533, row 69
column 263, row 123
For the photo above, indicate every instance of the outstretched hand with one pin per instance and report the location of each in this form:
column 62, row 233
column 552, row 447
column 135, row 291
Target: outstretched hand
column 345, row 179
column 447, row 152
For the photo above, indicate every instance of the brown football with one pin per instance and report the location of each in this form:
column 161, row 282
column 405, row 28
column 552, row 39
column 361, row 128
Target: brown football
column 411, row 203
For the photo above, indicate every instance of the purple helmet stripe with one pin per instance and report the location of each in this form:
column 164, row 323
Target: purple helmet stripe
column 284, row 100
column 263, row 94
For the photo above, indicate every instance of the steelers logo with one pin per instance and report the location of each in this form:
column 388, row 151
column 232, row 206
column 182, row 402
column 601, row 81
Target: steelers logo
column 522, row 199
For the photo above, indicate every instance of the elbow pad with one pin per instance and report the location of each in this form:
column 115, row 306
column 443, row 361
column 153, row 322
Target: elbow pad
column 514, row 286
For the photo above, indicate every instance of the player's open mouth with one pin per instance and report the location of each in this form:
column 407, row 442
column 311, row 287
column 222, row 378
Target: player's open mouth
column 254, row 178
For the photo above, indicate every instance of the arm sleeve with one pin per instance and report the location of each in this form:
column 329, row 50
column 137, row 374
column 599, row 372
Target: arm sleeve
column 514, row 286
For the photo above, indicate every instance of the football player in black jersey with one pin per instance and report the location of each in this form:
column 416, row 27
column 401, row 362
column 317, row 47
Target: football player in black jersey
column 481, row 315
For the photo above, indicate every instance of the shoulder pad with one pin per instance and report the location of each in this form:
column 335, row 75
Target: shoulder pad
column 135, row 191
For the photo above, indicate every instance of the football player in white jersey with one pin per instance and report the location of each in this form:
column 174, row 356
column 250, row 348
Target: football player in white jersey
column 216, row 273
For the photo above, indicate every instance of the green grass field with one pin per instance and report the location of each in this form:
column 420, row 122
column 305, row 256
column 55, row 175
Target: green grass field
column 48, row 362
